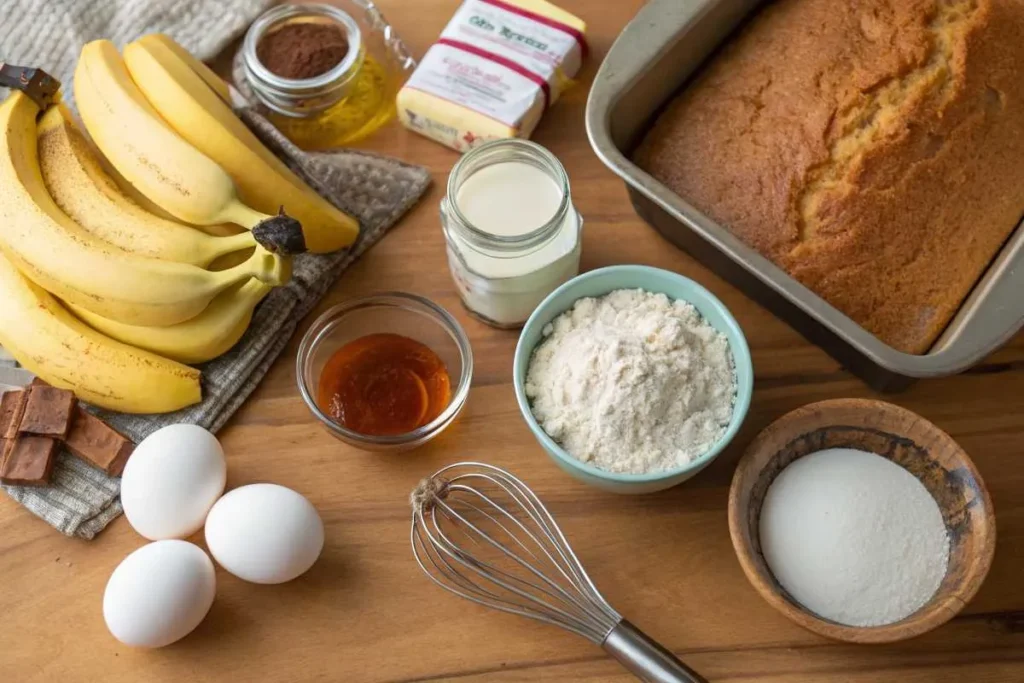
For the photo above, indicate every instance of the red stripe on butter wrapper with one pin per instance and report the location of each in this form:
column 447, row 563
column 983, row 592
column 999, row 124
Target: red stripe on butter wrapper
column 503, row 61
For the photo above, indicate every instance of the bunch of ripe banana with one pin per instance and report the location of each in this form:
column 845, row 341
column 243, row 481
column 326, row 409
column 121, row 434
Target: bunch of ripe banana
column 115, row 266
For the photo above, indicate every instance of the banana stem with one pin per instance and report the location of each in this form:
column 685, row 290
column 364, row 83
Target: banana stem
column 254, row 291
column 229, row 244
column 240, row 214
column 272, row 269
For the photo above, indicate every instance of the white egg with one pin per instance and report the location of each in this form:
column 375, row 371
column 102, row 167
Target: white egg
column 159, row 594
column 264, row 533
column 172, row 480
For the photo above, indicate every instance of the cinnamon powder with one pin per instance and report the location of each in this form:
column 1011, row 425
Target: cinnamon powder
column 302, row 50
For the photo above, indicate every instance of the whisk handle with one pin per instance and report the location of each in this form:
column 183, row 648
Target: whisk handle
column 644, row 658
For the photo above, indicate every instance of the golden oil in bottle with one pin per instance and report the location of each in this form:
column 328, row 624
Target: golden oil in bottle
column 345, row 103
column 368, row 106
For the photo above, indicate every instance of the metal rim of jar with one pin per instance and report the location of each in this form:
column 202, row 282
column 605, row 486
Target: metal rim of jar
column 279, row 93
column 511, row 149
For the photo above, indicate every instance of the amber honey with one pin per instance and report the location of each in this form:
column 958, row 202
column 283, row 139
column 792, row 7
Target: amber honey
column 384, row 384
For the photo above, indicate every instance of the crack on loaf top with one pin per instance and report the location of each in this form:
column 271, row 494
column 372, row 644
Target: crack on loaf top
column 875, row 114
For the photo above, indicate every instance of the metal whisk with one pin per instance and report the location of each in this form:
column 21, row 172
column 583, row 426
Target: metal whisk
column 481, row 533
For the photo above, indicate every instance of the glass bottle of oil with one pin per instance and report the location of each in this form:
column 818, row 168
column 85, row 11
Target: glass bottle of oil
column 348, row 102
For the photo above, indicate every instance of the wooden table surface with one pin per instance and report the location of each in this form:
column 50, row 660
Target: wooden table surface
column 364, row 613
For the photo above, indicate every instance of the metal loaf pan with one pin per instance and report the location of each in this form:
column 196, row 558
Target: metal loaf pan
column 656, row 53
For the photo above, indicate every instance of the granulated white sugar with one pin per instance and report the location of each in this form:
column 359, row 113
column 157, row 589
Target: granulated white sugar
column 854, row 537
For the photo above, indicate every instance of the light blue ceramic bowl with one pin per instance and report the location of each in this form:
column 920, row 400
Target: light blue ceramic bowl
column 596, row 283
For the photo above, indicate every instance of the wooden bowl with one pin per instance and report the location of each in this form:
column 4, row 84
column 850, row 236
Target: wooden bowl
column 908, row 440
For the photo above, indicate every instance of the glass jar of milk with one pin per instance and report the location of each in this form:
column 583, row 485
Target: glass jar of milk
column 513, row 234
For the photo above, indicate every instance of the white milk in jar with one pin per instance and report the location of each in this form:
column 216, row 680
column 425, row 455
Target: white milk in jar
column 513, row 234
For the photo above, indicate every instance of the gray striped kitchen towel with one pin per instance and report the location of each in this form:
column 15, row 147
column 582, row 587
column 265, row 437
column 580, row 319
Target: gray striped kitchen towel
column 81, row 500
column 49, row 33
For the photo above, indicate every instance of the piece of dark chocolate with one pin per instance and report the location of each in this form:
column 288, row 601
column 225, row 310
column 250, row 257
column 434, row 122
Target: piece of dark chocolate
column 96, row 442
column 12, row 407
column 48, row 412
column 29, row 461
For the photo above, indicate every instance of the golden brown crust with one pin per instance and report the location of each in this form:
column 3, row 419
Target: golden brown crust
column 872, row 149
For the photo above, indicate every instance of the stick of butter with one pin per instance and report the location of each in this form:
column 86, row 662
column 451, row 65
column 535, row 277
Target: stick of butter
column 496, row 67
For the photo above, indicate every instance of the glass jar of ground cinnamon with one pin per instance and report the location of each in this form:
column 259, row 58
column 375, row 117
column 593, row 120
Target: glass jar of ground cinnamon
column 303, row 50
column 309, row 66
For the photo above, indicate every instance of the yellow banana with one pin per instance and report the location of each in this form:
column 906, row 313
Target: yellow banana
column 210, row 334
column 129, row 190
column 53, row 344
column 81, row 188
column 192, row 109
column 211, row 79
column 58, row 255
column 157, row 161
column 147, row 204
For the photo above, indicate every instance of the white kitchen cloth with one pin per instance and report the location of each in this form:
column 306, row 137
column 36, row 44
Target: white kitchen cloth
column 82, row 500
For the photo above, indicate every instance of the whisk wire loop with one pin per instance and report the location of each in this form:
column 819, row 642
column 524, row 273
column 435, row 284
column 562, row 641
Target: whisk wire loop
column 463, row 587
column 529, row 534
column 530, row 504
column 564, row 605
column 483, row 534
column 479, row 532
column 480, row 511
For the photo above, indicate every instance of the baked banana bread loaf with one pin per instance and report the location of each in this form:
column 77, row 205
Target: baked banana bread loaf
column 873, row 149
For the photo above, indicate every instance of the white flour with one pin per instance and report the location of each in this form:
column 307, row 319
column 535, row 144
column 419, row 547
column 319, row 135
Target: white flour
column 854, row 537
column 633, row 382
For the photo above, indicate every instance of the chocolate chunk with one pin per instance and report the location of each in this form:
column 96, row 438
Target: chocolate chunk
column 48, row 412
column 8, row 403
column 96, row 442
column 29, row 462
column 12, row 407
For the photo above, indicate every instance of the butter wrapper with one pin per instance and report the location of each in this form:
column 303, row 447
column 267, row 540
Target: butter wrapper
column 496, row 67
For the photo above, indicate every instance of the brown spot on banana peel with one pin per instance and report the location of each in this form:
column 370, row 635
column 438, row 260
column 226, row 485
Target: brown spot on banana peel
column 280, row 234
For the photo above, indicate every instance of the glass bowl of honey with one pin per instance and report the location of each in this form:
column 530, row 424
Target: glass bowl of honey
column 386, row 372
